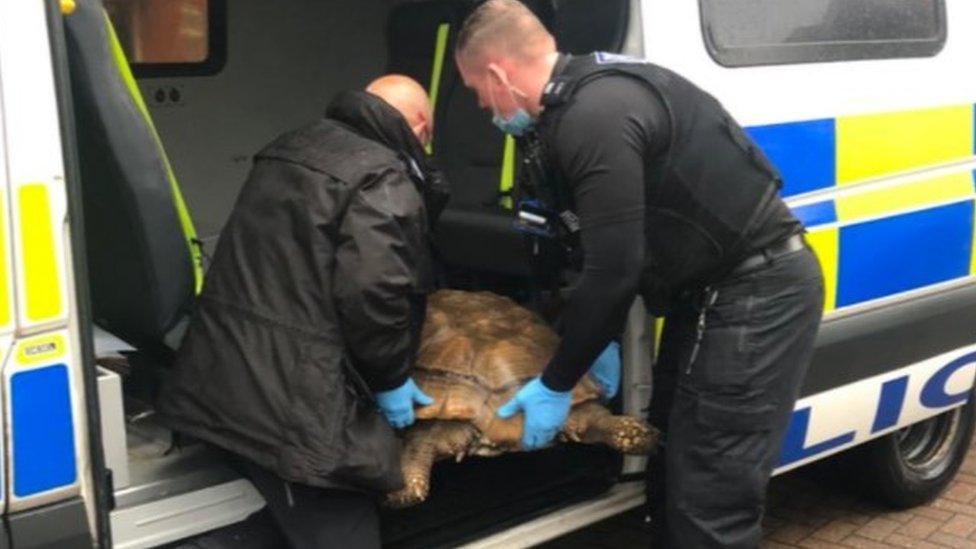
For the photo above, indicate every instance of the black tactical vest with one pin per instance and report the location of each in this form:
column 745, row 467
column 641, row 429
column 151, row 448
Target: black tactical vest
column 711, row 196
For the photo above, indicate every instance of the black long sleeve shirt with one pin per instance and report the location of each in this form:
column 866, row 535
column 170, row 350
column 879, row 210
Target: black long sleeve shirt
column 612, row 131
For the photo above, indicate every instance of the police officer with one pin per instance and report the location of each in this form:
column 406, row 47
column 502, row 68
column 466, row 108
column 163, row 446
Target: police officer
column 668, row 199
column 297, row 358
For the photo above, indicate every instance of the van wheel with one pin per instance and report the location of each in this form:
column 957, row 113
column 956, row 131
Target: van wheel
column 913, row 465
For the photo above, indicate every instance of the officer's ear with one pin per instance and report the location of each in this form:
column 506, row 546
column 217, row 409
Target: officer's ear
column 424, row 130
column 502, row 77
column 498, row 74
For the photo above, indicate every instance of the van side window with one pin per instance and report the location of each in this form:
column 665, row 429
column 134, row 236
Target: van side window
column 741, row 33
column 170, row 37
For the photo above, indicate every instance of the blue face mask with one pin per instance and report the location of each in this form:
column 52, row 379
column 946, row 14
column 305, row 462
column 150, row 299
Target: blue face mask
column 515, row 125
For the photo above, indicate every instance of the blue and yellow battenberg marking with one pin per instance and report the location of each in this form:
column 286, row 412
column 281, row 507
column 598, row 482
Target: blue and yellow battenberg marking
column 42, row 448
column 893, row 239
column 43, row 290
column 41, row 455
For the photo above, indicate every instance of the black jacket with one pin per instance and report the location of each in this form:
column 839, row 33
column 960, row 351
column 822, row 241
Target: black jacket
column 711, row 195
column 313, row 302
column 661, row 188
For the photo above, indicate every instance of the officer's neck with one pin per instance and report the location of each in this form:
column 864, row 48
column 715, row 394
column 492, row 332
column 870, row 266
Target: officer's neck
column 542, row 76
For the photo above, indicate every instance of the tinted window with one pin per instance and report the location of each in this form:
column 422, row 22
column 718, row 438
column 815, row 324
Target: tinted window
column 169, row 37
column 760, row 32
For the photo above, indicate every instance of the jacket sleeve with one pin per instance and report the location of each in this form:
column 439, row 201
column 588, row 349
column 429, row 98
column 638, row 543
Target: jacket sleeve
column 600, row 148
column 381, row 278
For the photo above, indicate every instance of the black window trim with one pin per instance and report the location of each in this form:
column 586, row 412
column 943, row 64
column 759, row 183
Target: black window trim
column 805, row 53
column 216, row 50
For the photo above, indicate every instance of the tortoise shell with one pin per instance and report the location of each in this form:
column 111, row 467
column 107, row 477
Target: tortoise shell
column 477, row 350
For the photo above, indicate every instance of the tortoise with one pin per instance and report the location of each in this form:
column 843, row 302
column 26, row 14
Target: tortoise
column 477, row 349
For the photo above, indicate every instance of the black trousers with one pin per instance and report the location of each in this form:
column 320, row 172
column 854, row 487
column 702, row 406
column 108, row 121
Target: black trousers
column 310, row 517
column 724, row 408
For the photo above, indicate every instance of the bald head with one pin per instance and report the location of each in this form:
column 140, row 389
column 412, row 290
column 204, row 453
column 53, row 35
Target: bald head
column 407, row 96
column 503, row 28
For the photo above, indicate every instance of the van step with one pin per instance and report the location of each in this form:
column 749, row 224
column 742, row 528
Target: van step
column 162, row 521
column 618, row 499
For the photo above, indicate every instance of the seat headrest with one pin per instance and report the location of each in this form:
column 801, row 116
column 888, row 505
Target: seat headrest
column 142, row 263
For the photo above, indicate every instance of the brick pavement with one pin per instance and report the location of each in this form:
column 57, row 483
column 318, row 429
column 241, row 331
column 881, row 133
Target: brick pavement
column 806, row 512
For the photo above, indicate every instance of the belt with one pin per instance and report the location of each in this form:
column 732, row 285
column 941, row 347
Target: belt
column 792, row 244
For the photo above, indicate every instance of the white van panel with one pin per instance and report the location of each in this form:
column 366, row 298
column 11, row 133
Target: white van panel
column 768, row 94
column 285, row 61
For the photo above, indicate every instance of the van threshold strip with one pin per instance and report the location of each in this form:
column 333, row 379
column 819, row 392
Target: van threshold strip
column 620, row 498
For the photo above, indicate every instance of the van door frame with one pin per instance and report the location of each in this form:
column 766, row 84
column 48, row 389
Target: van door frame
column 101, row 477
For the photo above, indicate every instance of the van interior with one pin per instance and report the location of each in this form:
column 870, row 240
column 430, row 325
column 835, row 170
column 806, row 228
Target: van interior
column 164, row 143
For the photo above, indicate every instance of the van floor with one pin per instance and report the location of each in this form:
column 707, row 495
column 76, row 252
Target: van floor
column 511, row 489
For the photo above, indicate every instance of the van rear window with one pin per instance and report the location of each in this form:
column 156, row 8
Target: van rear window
column 766, row 32
column 170, row 37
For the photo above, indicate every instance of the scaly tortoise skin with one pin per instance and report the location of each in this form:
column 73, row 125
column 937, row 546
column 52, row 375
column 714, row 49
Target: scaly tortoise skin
column 477, row 350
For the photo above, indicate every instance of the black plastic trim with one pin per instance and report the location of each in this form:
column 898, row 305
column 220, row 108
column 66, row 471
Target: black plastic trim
column 101, row 485
column 862, row 345
column 63, row 525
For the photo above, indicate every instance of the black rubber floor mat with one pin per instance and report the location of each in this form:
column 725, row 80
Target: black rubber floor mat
column 483, row 495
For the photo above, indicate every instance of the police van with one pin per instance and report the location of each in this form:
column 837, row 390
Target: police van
column 127, row 128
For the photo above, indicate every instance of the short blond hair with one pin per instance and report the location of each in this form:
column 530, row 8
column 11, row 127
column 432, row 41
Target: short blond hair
column 504, row 26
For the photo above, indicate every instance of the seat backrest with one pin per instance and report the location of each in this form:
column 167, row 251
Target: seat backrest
column 585, row 26
column 143, row 262
column 419, row 37
column 468, row 146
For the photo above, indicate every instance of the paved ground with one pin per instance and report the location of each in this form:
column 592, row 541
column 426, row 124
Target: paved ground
column 807, row 512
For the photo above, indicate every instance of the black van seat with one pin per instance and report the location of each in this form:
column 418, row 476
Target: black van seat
column 498, row 249
column 143, row 263
column 582, row 29
column 475, row 231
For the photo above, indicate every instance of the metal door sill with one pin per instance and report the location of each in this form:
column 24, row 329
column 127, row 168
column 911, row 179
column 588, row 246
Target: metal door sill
column 620, row 498
column 184, row 515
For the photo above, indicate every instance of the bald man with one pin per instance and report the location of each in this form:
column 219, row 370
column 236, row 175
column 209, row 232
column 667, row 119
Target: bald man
column 297, row 356
column 668, row 199
column 406, row 96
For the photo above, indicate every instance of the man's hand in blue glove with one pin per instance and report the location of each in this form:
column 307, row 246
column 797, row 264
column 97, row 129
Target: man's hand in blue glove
column 605, row 370
column 545, row 412
column 397, row 404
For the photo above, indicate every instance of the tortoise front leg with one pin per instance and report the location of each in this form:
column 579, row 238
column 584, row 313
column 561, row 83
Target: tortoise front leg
column 427, row 442
column 591, row 423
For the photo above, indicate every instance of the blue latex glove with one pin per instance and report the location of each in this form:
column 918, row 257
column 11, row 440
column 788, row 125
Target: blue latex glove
column 545, row 412
column 605, row 370
column 397, row 404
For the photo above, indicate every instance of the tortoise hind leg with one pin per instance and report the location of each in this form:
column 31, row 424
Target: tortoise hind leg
column 427, row 442
column 592, row 423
